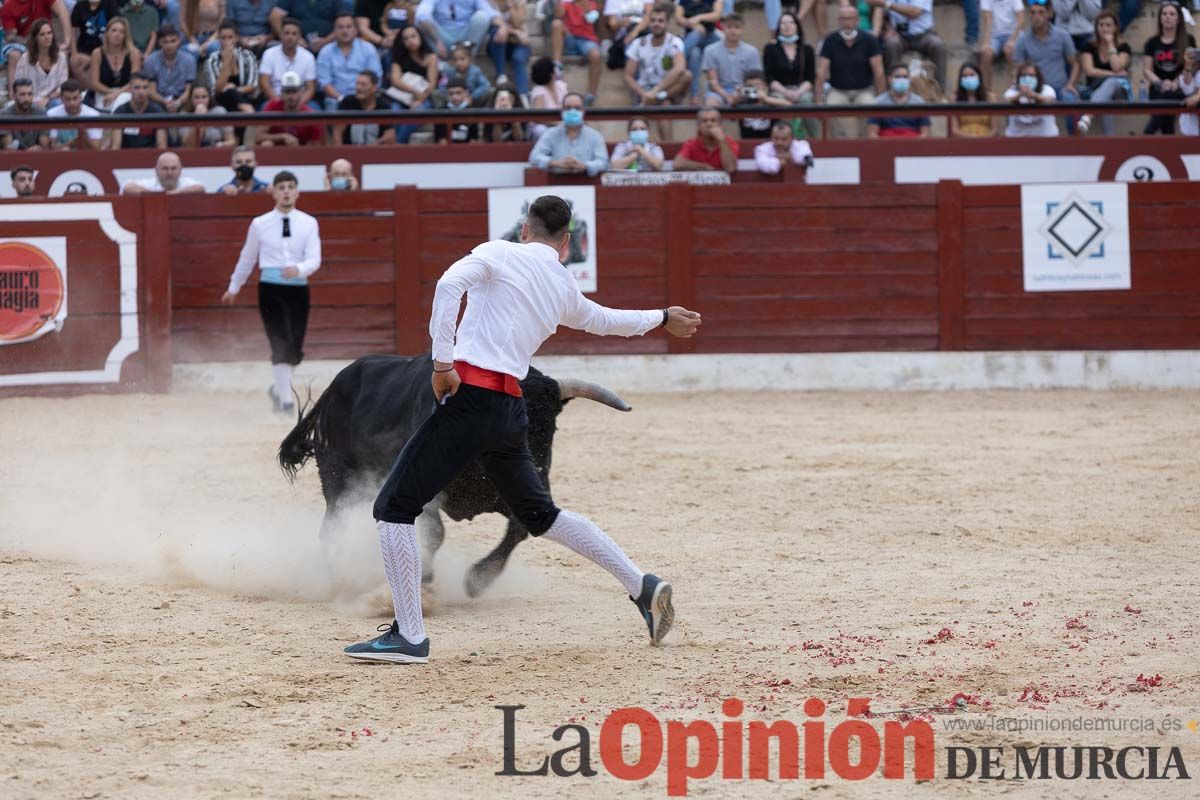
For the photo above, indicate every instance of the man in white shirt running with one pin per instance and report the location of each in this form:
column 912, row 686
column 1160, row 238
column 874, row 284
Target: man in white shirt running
column 517, row 295
column 286, row 243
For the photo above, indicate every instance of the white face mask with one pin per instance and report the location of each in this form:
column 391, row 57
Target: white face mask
column 848, row 34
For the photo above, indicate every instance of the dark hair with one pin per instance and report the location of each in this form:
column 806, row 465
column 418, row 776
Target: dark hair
column 896, row 66
column 1181, row 28
column 19, row 82
column 399, row 50
column 31, row 44
column 629, row 124
column 167, row 30
column 291, row 21
column 574, row 94
column 799, row 42
column 374, row 78
column 341, row 14
column 283, row 176
column 516, row 98
column 456, row 83
column 782, row 125
column 70, row 85
column 17, row 170
column 549, row 216
column 664, row 8
column 541, row 71
column 226, row 24
column 733, row 17
column 753, row 74
column 140, row 76
column 961, row 95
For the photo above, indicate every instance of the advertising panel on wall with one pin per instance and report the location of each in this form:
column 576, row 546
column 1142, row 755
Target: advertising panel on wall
column 1075, row 237
column 33, row 287
column 506, row 213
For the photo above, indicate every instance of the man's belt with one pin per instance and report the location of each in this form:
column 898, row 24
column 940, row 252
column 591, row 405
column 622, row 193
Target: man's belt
column 487, row 378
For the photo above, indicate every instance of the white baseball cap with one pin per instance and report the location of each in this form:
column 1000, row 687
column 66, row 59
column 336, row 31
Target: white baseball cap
column 291, row 80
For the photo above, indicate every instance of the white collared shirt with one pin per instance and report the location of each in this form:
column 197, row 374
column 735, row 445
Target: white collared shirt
column 517, row 296
column 266, row 244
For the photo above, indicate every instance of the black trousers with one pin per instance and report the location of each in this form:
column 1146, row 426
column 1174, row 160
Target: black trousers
column 284, row 311
column 475, row 423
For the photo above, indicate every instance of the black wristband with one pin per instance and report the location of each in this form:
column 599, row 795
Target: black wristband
column 666, row 316
column 435, row 369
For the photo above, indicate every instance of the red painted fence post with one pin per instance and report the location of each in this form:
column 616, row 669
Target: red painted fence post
column 951, row 278
column 681, row 278
column 154, row 296
column 411, row 338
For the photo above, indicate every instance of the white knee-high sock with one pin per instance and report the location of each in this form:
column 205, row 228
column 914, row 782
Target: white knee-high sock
column 402, row 564
column 580, row 534
column 283, row 382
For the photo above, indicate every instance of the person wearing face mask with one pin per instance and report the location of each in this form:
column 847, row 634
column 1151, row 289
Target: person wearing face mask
column 1031, row 90
column 457, row 99
column 638, row 152
column 898, row 94
column 573, row 33
column 851, row 62
column 340, row 177
column 571, row 147
column 243, row 162
column 971, row 89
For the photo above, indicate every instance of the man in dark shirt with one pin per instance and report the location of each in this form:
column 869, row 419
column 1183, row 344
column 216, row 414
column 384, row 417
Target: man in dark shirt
column 365, row 98
column 139, row 103
column 90, row 19
column 851, row 60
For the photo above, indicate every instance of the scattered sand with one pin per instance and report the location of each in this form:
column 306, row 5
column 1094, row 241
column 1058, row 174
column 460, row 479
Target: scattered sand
column 168, row 627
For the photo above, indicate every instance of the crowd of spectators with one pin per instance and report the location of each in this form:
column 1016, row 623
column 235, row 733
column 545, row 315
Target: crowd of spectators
column 82, row 58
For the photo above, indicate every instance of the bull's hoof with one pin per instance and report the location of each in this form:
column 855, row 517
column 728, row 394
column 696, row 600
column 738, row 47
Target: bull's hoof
column 480, row 577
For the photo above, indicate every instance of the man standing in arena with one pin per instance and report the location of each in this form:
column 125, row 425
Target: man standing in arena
column 286, row 243
column 517, row 295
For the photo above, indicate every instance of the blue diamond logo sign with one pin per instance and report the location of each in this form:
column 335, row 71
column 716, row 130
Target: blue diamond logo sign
column 1075, row 229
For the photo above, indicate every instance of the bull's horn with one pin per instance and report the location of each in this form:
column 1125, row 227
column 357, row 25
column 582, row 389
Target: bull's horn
column 591, row 391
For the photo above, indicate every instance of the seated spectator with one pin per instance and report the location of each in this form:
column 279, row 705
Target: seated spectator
column 573, row 33
column 198, row 27
column 638, row 153
column 505, row 99
column 340, row 177
column 1163, row 61
column 725, row 63
column 710, row 150
column 479, row 88
column 232, row 73
column 789, row 64
column 1052, row 50
column 699, row 18
column 414, row 76
column 655, row 66
column 289, row 56
column 898, row 94
column 89, row 18
column 22, row 105
column 1029, row 89
column 549, row 91
column 113, row 65
column 972, row 89
column 171, row 70
column 511, row 44
column 628, row 19
column 22, row 180
column 43, row 64
column 1003, row 21
column 1105, row 62
column 73, row 106
column 16, row 22
column 340, row 62
column 783, row 154
column 910, row 27
column 380, row 21
column 139, row 103
column 290, row 134
column 571, row 147
column 851, row 62
column 457, row 99
column 365, row 98
column 1078, row 18
column 1189, row 83
column 143, row 25
column 168, row 178
column 754, row 92
column 243, row 161
column 315, row 18
column 447, row 22
column 252, row 21
column 200, row 102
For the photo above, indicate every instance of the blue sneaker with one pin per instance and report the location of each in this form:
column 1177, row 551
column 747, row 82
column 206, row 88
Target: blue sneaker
column 654, row 603
column 390, row 647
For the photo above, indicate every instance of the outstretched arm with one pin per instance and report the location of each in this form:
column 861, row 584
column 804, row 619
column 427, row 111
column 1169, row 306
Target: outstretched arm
column 587, row 315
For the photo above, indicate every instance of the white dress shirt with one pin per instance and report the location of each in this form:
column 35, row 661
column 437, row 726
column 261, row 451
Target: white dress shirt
column 517, row 296
column 266, row 244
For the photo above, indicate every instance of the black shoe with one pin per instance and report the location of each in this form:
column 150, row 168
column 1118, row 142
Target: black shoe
column 654, row 603
column 391, row 647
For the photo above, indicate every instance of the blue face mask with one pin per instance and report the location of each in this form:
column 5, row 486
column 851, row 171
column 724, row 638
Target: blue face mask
column 899, row 85
column 795, row 37
column 639, row 137
column 970, row 82
column 339, row 184
column 592, row 16
column 572, row 117
column 1029, row 81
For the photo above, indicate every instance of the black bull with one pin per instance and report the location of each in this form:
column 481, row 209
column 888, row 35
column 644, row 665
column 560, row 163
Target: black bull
column 360, row 423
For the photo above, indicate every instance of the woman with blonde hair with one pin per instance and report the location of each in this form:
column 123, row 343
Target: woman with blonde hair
column 113, row 63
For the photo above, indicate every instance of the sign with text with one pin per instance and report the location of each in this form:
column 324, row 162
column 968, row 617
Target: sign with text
column 1075, row 236
column 506, row 213
column 33, row 287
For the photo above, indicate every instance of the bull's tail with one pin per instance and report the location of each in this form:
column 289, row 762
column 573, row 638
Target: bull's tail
column 306, row 439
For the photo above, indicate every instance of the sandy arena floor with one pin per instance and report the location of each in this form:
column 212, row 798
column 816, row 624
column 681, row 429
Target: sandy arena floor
column 168, row 629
